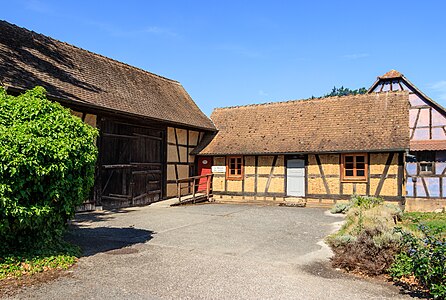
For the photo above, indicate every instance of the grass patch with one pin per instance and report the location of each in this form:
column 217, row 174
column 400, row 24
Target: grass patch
column 55, row 256
column 435, row 221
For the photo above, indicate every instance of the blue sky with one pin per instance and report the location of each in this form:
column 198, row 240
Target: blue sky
column 240, row 52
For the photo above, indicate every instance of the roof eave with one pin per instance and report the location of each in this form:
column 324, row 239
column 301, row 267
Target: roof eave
column 110, row 110
column 308, row 152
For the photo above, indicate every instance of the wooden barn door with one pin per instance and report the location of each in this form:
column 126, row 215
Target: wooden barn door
column 131, row 164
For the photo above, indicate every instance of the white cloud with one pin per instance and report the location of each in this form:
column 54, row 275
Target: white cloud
column 240, row 50
column 262, row 93
column 159, row 31
column 355, row 56
column 38, row 6
column 439, row 88
column 119, row 32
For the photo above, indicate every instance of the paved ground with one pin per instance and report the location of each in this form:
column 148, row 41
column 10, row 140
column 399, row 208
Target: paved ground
column 212, row 251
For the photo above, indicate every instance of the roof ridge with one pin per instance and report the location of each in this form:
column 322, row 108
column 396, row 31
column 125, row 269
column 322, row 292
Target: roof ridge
column 95, row 54
column 300, row 100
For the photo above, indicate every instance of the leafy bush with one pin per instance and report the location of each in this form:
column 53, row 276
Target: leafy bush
column 47, row 161
column 425, row 259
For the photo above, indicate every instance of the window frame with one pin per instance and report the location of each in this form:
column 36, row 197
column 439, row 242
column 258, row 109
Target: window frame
column 345, row 178
column 426, row 163
column 230, row 176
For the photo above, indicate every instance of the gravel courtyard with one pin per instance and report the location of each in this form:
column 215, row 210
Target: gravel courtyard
column 212, row 251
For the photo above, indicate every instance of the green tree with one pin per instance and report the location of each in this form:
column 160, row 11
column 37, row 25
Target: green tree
column 342, row 91
column 47, row 162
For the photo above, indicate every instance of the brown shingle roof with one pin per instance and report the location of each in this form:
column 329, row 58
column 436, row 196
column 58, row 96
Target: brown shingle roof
column 69, row 73
column 391, row 74
column 371, row 122
column 428, row 145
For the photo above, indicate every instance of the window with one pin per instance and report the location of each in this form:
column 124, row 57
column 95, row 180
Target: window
column 234, row 167
column 426, row 161
column 354, row 167
column 426, row 167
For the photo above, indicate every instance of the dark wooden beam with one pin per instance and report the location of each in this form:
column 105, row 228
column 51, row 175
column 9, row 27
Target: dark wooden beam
column 415, row 124
column 384, row 175
column 273, row 165
column 256, row 164
column 321, row 171
column 400, row 173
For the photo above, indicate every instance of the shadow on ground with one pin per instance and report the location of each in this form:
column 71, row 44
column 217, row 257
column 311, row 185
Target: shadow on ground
column 107, row 239
column 98, row 216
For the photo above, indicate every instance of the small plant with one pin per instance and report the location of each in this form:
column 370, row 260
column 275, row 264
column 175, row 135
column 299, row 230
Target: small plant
column 59, row 255
column 365, row 202
column 340, row 208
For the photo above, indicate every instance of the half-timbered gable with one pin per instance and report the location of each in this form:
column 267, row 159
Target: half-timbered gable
column 426, row 163
column 329, row 148
column 148, row 123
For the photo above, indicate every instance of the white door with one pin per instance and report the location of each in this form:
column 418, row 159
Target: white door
column 295, row 180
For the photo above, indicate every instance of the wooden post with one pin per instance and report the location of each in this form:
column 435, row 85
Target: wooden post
column 193, row 190
column 179, row 190
column 208, row 186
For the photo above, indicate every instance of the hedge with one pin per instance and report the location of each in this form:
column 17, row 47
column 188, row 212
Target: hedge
column 47, row 163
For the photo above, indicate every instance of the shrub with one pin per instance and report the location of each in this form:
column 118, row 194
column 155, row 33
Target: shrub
column 340, row 208
column 367, row 242
column 365, row 254
column 425, row 259
column 364, row 202
column 47, row 161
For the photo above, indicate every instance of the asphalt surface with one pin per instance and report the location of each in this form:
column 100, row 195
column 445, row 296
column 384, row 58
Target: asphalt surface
column 212, row 251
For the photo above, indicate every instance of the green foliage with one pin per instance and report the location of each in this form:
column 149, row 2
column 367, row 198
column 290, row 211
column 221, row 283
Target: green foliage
column 425, row 259
column 365, row 202
column 402, row 266
column 47, row 161
column 342, row 91
column 57, row 255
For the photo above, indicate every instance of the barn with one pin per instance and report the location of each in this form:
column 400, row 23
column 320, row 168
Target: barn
column 148, row 124
column 313, row 150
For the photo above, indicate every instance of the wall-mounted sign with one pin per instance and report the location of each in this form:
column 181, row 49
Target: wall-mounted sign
column 218, row 169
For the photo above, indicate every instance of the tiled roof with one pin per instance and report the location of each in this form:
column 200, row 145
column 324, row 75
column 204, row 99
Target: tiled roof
column 370, row 122
column 69, row 73
column 428, row 145
column 391, row 74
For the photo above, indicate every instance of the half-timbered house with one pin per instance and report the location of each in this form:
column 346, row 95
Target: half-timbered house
column 426, row 162
column 316, row 149
column 148, row 124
